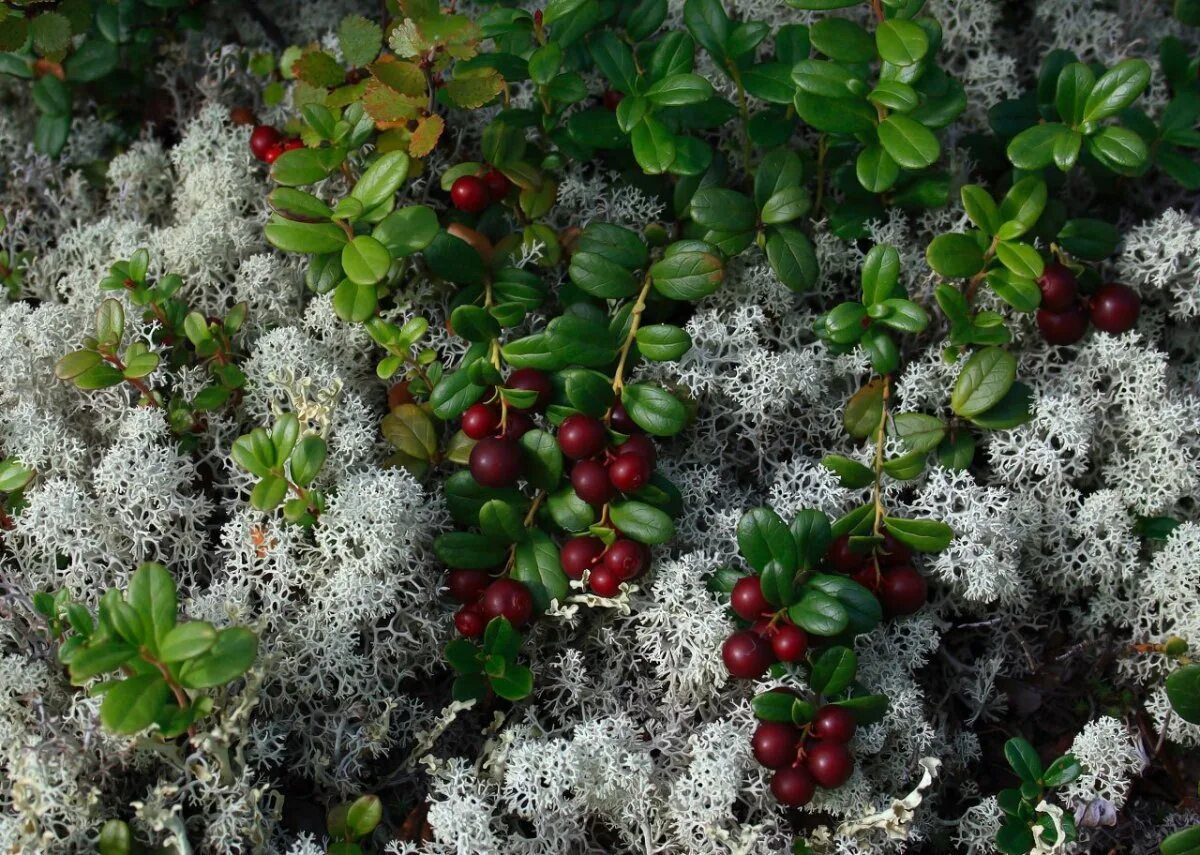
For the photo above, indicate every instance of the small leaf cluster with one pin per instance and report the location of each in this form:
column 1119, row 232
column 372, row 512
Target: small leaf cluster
column 104, row 361
column 284, row 458
column 349, row 823
column 831, row 679
column 158, row 666
column 1174, row 136
column 490, row 664
column 1019, row 804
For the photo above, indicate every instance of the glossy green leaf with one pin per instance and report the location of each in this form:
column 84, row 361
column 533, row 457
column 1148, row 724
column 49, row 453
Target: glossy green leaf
column 984, row 380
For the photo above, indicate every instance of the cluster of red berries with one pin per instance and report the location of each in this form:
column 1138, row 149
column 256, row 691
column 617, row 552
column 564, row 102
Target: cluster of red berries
column 266, row 143
column 1063, row 317
column 484, row 598
column 809, row 757
column 772, row 637
column 472, row 193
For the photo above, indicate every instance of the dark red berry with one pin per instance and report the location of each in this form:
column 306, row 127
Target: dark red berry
column 532, row 380
column 466, row 586
column 262, row 140
column 1062, row 328
column 793, row 787
column 241, row 116
column 829, row 763
column 469, row 194
column 638, row 444
column 763, row 627
column 1115, row 308
column 579, row 553
column 581, row 436
column 517, row 424
column 892, row 551
column 775, row 744
column 629, row 472
column 590, row 480
column 293, row 143
column 902, row 590
column 620, row 420
column 626, row 558
column 497, row 184
column 470, row 622
column 604, row 582
column 480, row 420
column 747, row 655
column 1058, row 287
column 496, row 462
column 834, row 724
column 789, row 643
column 747, row 598
column 841, row 557
column 273, row 153
column 508, row 598
column 867, row 576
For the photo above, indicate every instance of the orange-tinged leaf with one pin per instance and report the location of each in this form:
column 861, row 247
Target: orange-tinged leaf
column 425, row 137
column 384, row 104
column 405, row 77
column 318, row 68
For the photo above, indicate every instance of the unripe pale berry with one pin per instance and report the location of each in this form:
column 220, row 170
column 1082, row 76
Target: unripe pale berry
column 469, row 194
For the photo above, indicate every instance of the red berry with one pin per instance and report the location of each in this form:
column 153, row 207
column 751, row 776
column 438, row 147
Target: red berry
column 1115, row 308
column 466, row 586
column 241, row 116
column 590, row 480
column 604, row 582
column 629, row 472
column 892, row 551
column 841, row 557
column 480, row 421
column 470, row 622
column 834, row 724
column 829, row 763
column 510, row 599
column 497, row 184
column 789, row 642
column 293, row 143
column 1058, row 287
column 272, row 154
column 612, row 98
column 579, row 553
column 263, row 139
column 867, row 576
column 626, row 558
column 747, row 655
column 532, row 380
column 747, row 598
column 620, row 420
column 581, row 436
column 517, row 424
column 638, row 444
column 902, row 590
column 469, row 194
column 1061, row 328
column 496, row 462
column 793, row 787
column 763, row 627
column 775, row 744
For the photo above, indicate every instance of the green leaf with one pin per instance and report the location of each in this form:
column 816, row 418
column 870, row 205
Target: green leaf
column 904, row 315
column 875, row 169
column 187, row 640
column 688, row 275
column 543, row 459
column 307, row 459
column 1075, row 84
column 463, row 655
column 1118, row 148
column 921, row 535
column 679, row 89
column 835, row 115
column 901, row 43
column 135, row 703
column 642, row 522
column 500, row 520
column 1033, row 148
column 911, row 144
column 355, row 302
column 359, row 39
column 819, row 614
column 268, row 493
column 866, row 709
column 310, row 238
column 364, row 814
column 1024, row 760
column 763, row 537
column 811, row 530
column 1116, row 89
column 662, row 342
column 654, row 409
column 469, row 551
column 1185, row 842
column 880, row 274
column 851, row 474
column 407, row 230
column 842, row 40
column 301, row 166
column 365, row 260
column 1062, row 771
column 954, row 255
column 957, row 450
column 230, row 657
column 516, row 683
column 75, row 363
column 381, row 180
column 474, row 323
column 1020, row 292
column 864, row 411
column 897, row 96
column 115, row 838
column 1014, row 838
column 653, row 145
column 110, row 322
column 588, row 391
column 709, row 25
column 1023, row 204
column 833, row 671
column 570, row 512
column 581, row 341
column 601, row 277
column 981, row 208
column 824, row 78
column 99, row 657
column 1021, row 258
column 862, row 607
column 721, row 209
column 777, row 706
column 1014, row 409
column 13, row 476
column 152, row 594
column 50, row 132
column 1183, row 691
column 786, row 205
column 536, row 565
column 792, row 257
column 984, row 380
column 1089, row 239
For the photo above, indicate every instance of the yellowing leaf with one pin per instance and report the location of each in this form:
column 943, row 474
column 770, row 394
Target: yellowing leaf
column 384, row 104
column 318, row 68
column 425, row 137
column 405, row 77
column 475, row 90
